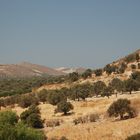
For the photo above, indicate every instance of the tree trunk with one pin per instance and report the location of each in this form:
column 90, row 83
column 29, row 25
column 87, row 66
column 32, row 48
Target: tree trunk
column 121, row 116
column 65, row 113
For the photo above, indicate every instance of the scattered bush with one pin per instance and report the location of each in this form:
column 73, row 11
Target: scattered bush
column 53, row 123
column 54, row 97
column 98, row 72
column 110, row 69
column 134, row 137
column 28, row 100
column 73, row 76
column 80, row 92
column 64, row 107
column 137, row 57
column 42, row 95
column 122, row 68
column 120, row 108
column 133, row 66
column 108, row 91
column 138, row 65
column 131, row 85
column 130, row 58
column 87, row 73
column 86, row 119
column 117, row 84
column 32, row 118
column 98, row 87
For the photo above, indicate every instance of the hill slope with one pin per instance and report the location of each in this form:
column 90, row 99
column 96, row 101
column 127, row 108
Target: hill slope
column 26, row 69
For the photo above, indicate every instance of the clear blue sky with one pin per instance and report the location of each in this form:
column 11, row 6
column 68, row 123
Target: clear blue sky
column 55, row 33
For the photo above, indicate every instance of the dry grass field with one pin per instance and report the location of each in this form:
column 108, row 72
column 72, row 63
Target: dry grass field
column 104, row 128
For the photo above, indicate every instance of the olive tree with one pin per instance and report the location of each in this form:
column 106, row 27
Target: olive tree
column 121, row 107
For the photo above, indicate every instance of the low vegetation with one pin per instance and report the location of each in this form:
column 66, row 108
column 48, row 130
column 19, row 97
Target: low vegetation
column 11, row 129
column 120, row 108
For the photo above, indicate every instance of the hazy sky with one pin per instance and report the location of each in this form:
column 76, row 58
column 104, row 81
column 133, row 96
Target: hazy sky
column 55, row 33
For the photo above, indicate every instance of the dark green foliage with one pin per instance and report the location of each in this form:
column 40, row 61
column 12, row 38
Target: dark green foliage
column 130, row 58
column 10, row 129
column 34, row 121
column 28, row 100
column 98, row 72
column 107, row 91
column 134, row 137
column 98, row 87
column 32, row 118
column 87, row 73
column 18, row 86
column 80, row 92
column 117, row 85
column 54, row 97
column 20, row 132
column 131, row 85
column 137, row 57
column 64, row 107
column 133, row 66
column 138, row 65
column 136, row 76
column 121, row 107
column 8, row 117
column 110, row 69
column 122, row 68
column 73, row 76
column 42, row 95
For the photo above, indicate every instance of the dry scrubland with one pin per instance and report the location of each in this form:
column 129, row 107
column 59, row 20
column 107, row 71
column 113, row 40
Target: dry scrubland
column 103, row 129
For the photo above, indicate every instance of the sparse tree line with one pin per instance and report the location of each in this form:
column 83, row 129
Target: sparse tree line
column 17, row 86
column 76, row 92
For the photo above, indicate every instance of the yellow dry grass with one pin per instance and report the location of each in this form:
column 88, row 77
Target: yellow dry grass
column 104, row 129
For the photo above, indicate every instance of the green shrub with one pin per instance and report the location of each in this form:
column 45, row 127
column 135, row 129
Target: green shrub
column 98, row 72
column 28, row 100
column 8, row 117
column 42, row 95
column 98, row 87
column 133, row 66
column 32, row 118
column 121, row 107
column 87, row 73
column 130, row 58
column 64, row 107
column 73, row 76
column 54, row 97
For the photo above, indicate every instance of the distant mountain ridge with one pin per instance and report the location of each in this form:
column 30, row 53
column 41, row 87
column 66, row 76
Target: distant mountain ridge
column 70, row 70
column 26, row 69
